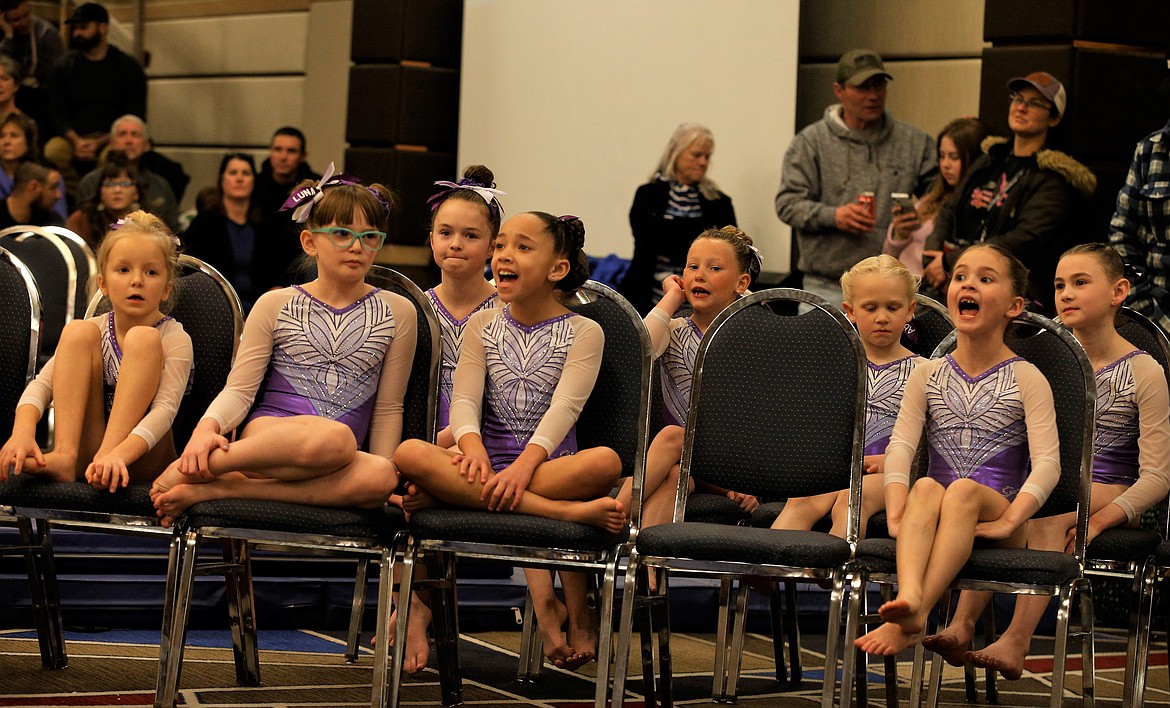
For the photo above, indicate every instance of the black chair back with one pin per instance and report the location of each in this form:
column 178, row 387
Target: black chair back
column 52, row 264
column 209, row 309
column 83, row 260
column 20, row 320
column 617, row 412
column 421, row 401
column 1141, row 332
column 777, row 404
column 931, row 323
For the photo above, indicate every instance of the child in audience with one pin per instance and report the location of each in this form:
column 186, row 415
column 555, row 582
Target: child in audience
column 987, row 413
column 958, row 145
column 1131, row 450
column 720, row 266
column 116, row 379
column 879, row 299
column 320, row 368
column 524, row 373
column 465, row 218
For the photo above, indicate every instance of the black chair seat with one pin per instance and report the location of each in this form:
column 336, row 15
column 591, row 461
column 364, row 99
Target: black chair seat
column 714, row 542
column 714, row 509
column 1021, row 565
column 1123, row 545
column 508, row 529
column 1162, row 554
column 374, row 524
column 877, row 555
column 29, row 492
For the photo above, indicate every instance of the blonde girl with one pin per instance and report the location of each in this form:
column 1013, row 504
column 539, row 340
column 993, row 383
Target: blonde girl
column 116, row 380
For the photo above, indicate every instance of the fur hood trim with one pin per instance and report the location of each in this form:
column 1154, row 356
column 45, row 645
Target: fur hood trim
column 1078, row 176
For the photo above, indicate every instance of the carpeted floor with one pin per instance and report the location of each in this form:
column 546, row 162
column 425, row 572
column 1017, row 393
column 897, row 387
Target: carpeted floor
column 117, row 668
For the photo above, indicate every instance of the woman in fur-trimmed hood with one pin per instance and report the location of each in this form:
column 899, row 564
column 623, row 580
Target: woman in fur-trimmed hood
column 1029, row 199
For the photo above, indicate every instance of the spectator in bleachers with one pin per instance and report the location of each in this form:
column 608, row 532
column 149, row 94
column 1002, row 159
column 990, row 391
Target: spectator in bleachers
column 91, row 86
column 232, row 238
column 857, row 150
column 1019, row 194
column 120, row 191
column 35, row 45
column 18, row 144
column 284, row 167
column 129, row 135
column 35, row 189
column 9, row 83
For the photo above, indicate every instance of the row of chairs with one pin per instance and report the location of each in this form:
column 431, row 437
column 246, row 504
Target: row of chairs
column 758, row 372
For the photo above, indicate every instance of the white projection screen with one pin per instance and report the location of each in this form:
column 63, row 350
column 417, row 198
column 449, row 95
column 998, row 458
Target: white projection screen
column 571, row 103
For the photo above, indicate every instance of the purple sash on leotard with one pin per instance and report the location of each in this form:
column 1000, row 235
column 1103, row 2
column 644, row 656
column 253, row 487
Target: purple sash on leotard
column 504, row 447
column 1004, row 472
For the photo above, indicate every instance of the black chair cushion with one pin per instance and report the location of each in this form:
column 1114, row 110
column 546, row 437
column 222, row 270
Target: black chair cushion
column 1162, row 554
column 876, row 555
column 1123, row 545
column 739, row 544
column 508, row 529
column 31, row 493
column 282, row 517
column 1011, row 565
column 714, row 509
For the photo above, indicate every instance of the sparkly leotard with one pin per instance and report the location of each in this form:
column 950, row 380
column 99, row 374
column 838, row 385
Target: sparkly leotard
column 533, row 382
column 349, row 364
column 985, row 428
column 452, row 330
column 883, row 398
column 678, row 367
column 173, row 384
column 1132, row 443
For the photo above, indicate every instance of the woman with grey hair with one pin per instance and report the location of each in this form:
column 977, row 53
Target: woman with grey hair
column 676, row 205
column 10, row 78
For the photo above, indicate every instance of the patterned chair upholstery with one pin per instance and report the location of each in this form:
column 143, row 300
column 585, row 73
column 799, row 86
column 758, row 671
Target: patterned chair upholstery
column 54, row 268
column 246, row 524
column 776, row 411
column 1062, row 361
column 616, row 416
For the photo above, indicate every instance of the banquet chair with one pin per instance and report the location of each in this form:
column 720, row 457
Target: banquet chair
column 207, row 306
column 1062, row 361
column 52, row 263
column 244, row 525
column 616, row 415
column 776, row 411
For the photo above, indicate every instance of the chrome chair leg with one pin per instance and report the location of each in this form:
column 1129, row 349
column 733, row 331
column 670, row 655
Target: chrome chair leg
column 1138, row 646
column 724, row 623
column 625, row 630
column 531, row 646
column 445, row 625
column 241, row 613
column 738, row 629
column 1088, row 652
column 180, row 579
column 605, row 653
column 387, row 665
column 44, row 596
column 357, row 611
column 665, row 662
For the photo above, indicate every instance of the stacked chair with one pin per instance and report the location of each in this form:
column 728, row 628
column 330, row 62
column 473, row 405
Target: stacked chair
column 776, row 410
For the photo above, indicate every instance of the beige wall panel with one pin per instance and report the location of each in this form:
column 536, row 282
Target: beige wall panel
column 927, row 94
column 245, row 44
column 908, row 28
column 224, row 111
column 327, row 81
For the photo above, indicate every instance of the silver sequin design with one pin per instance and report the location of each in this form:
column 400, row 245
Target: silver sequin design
column 678, row 369
column 332, row 357
column 974, row 419
column 1117, row 410
column 452, row 338
column 884, row 396
column 112, row 360
column 524, row 365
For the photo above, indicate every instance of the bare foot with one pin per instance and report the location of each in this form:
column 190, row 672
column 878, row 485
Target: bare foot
column 550, row 619
column 416, row 499
column 895, row 610
column 59, row 467
column 887, row 640
column 1005, row 656
column 605, row 513
column 171, row 503
column 583, row 640
column 418, row 646
column 950, row 647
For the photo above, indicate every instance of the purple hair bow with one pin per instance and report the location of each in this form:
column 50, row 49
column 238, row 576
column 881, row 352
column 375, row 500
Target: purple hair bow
column 489, row 195
column 302, row 200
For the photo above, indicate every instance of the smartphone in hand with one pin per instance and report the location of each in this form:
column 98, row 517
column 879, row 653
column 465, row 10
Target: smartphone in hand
column 904, row 202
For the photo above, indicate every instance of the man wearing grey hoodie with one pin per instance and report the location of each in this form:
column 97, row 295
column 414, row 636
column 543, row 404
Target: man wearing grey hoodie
column 857, row 148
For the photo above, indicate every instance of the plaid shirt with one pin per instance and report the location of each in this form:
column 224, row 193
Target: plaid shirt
column 1140, row 229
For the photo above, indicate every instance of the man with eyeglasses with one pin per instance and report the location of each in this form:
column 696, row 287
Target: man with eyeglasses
column 856, row 151
column 1140, row 229
column 1019, row 194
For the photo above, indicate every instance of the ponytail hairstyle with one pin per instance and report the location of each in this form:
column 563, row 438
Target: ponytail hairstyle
column 747, row 256
column 568, row 233
column 1105, row 254
column 884, row 265
column 476, row 187
column 335, row 199
column 1017, row 272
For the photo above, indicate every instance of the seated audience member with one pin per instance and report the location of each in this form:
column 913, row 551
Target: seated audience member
column 232, row 238
column 91, row 86
column 1019, row 194
column 120, row 192
column 284, row 167
column 129, row 135
column 35, row 190
column 18, row 144
column 35, row 45
column 9, row 83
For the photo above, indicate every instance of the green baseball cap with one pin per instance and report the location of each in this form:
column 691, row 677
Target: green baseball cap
column 859, row 65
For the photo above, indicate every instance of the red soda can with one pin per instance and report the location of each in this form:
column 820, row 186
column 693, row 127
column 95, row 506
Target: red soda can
column 866, row 200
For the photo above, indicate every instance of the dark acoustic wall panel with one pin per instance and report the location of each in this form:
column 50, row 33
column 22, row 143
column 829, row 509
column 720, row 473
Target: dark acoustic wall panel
column 393, row 104
column 395, row 30
column 412, row 174
column 1141, row 23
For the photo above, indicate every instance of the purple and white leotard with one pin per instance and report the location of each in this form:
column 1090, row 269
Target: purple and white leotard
column 883, row 398
column 1115, row 448
column 678, row 369
column 452, row 337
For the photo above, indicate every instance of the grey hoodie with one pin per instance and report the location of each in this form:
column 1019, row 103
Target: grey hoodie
column 828, row 165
